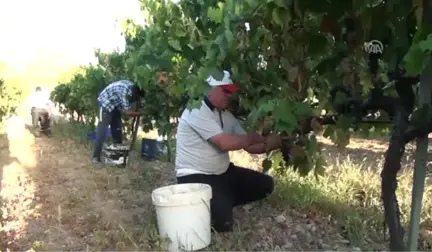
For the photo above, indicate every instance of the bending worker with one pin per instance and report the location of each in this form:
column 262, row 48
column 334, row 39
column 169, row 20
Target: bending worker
column 41, row 109
column 114, row 100
column 205, row 135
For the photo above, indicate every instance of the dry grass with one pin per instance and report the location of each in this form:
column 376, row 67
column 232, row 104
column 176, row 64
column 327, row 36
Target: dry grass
column 56, row 200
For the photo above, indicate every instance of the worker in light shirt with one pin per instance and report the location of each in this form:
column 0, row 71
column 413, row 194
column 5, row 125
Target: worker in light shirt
column 205, row 136
column 40, row 105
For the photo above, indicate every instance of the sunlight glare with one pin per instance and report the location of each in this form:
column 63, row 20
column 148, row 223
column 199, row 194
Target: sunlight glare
column 72, row 28
column 17, row 186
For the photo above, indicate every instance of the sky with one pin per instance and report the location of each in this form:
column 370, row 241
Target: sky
column 67, row 30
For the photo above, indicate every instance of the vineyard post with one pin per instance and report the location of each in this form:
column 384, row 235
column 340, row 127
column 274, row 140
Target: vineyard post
column 168, row 142
column 421, row 143
column 420, row 163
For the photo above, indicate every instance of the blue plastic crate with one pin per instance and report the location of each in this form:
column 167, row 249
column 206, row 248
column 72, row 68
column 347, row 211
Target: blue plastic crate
column 150, row 148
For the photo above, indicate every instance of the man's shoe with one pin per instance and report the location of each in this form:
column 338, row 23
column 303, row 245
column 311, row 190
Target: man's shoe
column 96, row 161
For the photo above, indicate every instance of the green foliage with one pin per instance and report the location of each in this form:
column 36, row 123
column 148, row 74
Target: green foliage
column 279, row 61
column 10, row 97
column 419, row 52
column 285, row 56
column 80, row 93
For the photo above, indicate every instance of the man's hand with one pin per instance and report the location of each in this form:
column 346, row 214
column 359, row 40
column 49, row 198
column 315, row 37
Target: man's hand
column 271, row 142
column 131, row 113
column 274, row 141
column 255, row 138
column 231, row 142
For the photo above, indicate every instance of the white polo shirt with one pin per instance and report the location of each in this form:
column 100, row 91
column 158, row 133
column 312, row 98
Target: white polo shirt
column 194, row 153
column 40, row 100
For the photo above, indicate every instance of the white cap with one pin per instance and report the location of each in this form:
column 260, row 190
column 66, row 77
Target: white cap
column 226, row 80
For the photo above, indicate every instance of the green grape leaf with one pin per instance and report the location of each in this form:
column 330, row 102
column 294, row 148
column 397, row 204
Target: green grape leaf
column 174, row 44
column 215, row 14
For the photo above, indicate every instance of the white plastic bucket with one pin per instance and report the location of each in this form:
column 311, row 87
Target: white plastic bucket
column 183, row 215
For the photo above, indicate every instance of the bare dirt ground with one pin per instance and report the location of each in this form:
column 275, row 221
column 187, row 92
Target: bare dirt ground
column 54, row 199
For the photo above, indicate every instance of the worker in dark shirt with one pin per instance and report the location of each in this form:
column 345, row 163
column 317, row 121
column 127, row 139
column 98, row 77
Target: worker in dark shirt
column 114, row 101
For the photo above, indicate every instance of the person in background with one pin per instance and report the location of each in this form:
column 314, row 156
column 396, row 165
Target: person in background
column 41, row 110
column 114, row 101
column 205, row 136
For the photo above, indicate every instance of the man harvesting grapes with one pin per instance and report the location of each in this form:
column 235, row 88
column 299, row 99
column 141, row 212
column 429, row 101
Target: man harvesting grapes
column 114, row 101
column 41, row 111
column 205, row 135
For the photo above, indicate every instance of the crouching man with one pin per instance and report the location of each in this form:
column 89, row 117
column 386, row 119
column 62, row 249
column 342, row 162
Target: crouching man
column 41, row 107
column 204, row 138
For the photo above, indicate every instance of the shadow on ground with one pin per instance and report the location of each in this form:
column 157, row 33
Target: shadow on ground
column 5, row 161
column 17, row 186
column 350, row 192
column 77, row 206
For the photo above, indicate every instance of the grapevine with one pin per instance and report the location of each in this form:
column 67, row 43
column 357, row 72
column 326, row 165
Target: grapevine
column 9, row 99
column 301, row 66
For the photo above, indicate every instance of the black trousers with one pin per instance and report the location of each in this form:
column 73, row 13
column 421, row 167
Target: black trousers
column 107, row 119
column 237, row 186
column 42, row 115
